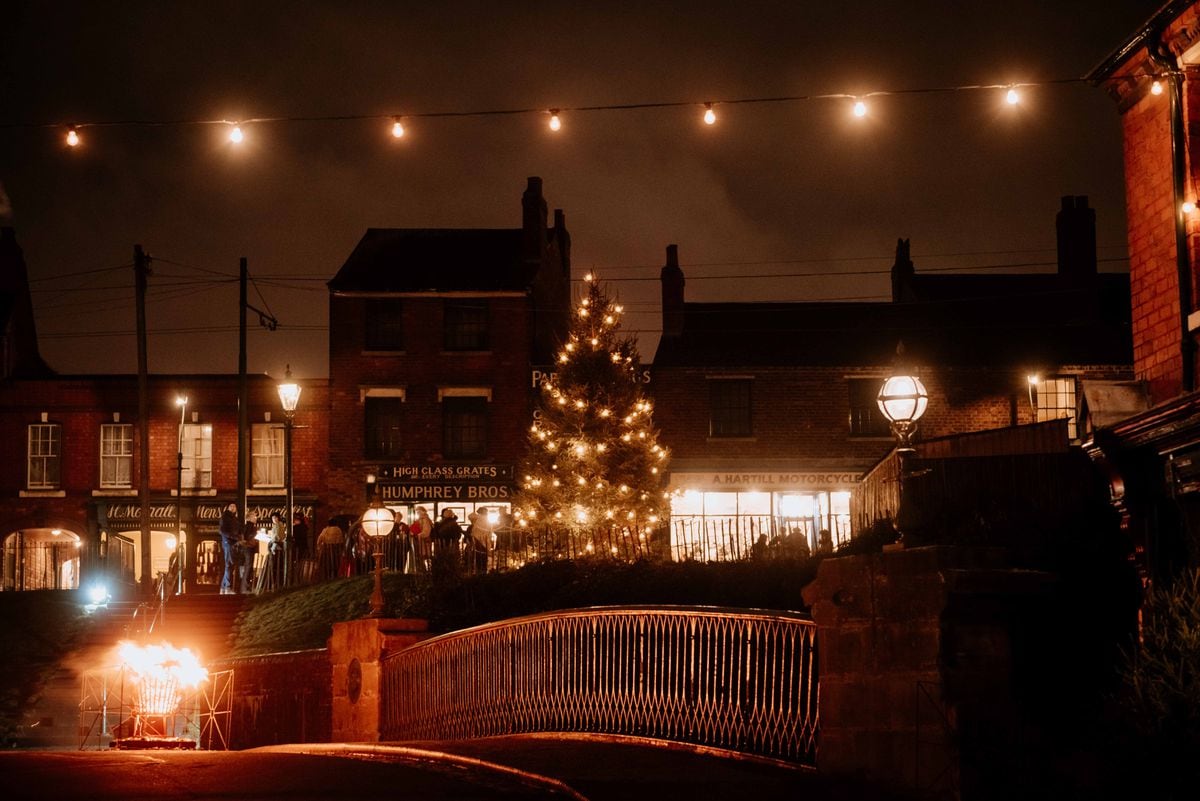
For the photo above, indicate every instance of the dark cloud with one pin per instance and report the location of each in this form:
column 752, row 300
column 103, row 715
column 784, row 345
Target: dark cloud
column 783, row 183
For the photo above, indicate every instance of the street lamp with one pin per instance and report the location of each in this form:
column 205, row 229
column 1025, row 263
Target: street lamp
column 902, row 400
column 289, row 397
column 181, row 401
column 377, row 523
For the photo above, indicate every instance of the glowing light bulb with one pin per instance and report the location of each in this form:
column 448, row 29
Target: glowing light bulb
column 236, row 136
column 555, row 122
column 397, row 128
column 1188, row 207
column 72, row 138
column 1156, row 88
column 860, row 108
column 589, row 278
column 1012, row 97
column 710, row 116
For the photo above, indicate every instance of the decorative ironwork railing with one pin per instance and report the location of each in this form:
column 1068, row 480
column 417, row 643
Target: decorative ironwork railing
column 731, row 679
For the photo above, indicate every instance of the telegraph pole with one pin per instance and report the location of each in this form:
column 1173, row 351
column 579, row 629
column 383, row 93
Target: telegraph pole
column 141, row 270
column 243, row 401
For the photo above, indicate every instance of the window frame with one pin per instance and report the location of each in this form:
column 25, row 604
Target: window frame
column 116, row 458
column 1047, row 412
column 274, row 452
column 373, row 406
column 49, row 456
column 383, row 324
column 197, row 453
column 466, row 325
column 465, row 422
column 866, row 401
column 721, row 411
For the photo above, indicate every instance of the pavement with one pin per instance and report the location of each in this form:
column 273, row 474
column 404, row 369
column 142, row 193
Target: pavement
column 573, row 767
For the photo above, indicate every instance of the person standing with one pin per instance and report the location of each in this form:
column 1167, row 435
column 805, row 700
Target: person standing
column 446, row 535
column 300, row 536
column 230, row 531
column 329, row 551
column 249, row 551
column 421, row 528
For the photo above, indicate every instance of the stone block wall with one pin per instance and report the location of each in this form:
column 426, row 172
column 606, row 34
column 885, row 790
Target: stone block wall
column 916, row 657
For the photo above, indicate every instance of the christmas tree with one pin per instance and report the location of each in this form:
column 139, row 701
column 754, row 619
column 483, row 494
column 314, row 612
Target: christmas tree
column 592, row 481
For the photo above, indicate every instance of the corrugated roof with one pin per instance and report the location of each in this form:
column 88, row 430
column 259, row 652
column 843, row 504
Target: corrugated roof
column 435, row 260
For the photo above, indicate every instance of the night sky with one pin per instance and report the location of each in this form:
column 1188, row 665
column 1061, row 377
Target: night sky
column 771, row 189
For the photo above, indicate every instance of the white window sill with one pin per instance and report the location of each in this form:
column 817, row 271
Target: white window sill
column 268, row 490
column 114, row 493
column 43, row 493
column 195, row 493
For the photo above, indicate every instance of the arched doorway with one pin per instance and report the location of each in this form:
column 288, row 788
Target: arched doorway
column 41, row 559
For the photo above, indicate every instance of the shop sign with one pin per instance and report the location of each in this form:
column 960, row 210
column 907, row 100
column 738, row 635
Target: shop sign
column 540, row 375
column 133, row 511
column 435, row 473
column 416, row 493
column 763, row 481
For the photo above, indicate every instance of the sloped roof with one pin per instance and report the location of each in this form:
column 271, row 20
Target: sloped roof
column 435, row 260
column 1058, row 323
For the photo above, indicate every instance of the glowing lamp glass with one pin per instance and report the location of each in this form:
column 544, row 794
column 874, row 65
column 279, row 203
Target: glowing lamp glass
column 72, row 138
column 710, row 116
column 555, row 122
column 397, row 129
column 860, row 108
column 903, row 399
column 1012, row 97
column 289, row 396
column 1156, row 88
column 377, row 521
column 236, row 136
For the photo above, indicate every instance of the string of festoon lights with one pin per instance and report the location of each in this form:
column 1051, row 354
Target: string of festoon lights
column 577, row 431
column 397, row 124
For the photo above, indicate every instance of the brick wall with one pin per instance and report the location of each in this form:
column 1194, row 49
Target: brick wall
column 420, row 369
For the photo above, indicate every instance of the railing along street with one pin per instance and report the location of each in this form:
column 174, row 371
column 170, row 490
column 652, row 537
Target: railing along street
column 732, row 679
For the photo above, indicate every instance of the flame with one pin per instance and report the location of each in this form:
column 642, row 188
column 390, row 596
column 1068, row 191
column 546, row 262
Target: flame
column 161, row 673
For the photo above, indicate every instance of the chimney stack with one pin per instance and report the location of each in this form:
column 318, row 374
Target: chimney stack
column 672, row 294
column 1076, row 224
column 533, row 221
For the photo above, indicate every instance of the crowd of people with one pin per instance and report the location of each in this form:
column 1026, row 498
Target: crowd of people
column 255, row 552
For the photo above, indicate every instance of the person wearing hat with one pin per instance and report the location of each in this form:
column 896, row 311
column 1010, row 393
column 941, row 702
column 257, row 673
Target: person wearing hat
column 446, row 533
column 421, row 528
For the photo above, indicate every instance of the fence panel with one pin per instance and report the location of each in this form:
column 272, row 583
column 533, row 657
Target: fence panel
column 727, row 679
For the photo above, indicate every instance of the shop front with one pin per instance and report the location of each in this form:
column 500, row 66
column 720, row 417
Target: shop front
column 192, row 529
column 465, row 489
column 723, row 515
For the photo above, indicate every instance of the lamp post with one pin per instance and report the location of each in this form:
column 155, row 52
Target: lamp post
column 902, row 400
column 289, row 397
column 377, row 522
column 181, row 401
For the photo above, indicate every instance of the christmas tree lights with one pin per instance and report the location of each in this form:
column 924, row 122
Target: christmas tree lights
column 592, row 477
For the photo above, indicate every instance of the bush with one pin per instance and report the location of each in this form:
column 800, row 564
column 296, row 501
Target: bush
column 1160, row 696
column 303, row 617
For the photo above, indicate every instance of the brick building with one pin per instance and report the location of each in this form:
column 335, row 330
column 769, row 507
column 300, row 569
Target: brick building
column 434, row 336
column 70, row 470
column 770, row 408
column 70, row 463
column 1151, row 440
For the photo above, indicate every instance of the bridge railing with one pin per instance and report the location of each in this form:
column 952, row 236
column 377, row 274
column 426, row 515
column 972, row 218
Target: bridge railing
column 739, row 680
